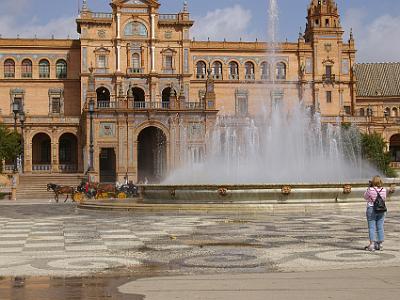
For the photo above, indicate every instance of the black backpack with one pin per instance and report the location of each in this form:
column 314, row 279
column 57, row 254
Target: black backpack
column 379, row 204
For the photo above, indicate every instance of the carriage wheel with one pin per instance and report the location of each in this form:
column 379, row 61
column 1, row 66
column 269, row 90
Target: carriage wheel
column 122, row 195
column 103, row 196
column 78, row 197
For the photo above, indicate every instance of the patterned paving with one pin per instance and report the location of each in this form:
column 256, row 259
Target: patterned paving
column 60, row 240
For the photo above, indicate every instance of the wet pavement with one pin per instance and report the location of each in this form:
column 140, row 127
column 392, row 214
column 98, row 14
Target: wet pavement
column 51, row 251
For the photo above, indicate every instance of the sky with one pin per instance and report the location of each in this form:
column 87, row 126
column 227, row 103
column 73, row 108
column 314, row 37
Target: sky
column 375, row 23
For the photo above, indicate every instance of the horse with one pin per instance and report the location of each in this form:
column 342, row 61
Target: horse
column 61, row 190
column 105, row 188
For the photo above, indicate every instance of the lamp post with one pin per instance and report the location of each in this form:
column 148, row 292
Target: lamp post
column 91, row 147
column 15, row 108
column 22, row 119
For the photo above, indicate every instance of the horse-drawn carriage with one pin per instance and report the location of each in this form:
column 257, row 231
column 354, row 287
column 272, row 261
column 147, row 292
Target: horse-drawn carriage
column 94, row 190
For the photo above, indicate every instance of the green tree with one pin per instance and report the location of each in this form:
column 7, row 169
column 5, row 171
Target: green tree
column 373, row 149
column 10, row 144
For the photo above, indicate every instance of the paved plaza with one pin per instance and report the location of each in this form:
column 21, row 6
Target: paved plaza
column 59, row 240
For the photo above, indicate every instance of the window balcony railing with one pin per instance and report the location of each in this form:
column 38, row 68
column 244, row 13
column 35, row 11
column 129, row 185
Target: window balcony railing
column 100, row 15
column 41, row 167
column 168, row 17
column 150, row 105
column 328, row 78
column 217, row 76
column 106, row 104
column 135, row 71
column 200, row 76
column 194, row 105
column 26, row 75
column 9, row 75
column 168, row 71
column 265, row 76
column 234, row 76
column 68, row 168
column 44, row 75
column 250, row 77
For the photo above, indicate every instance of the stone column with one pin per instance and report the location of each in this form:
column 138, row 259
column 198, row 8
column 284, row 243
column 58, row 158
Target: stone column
column 118, row 25
column 54, row 157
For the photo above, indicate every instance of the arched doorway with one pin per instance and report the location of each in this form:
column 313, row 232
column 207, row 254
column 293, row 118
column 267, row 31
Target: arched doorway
column 152, row 155
column 103, row 97
column 107, row 161
column 139, row 98
column 68, row 152
column 41, row 152
column 394, row 147
column 167, row 96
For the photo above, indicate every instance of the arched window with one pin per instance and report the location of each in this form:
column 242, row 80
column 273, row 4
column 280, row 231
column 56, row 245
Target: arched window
column 217, row 70
column 395, row 112
column 394, row 147
column 233, row 70
column 280, row 71
column 168, row 94
column 135, row 29
column 103, row 97
column 9, row 69
column 26, row 68
column 249, row 67
column 264, row 70
column 201, row 70
column 386, row 112
column 44, row 68
column 61, row 69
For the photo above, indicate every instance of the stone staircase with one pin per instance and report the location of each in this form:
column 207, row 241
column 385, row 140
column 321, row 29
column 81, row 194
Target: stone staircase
column 34, row 186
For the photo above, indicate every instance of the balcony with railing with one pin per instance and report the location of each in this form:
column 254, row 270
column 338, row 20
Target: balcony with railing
column 234, row 76
column 194, row 105
column 168, row 17
column 217, row 76
column 125, row 104
column 68, row 168
column 101, row 15
column 201, row 76
column 249, row 77
column 132, row 71
column 329, row 78
column 41, row 167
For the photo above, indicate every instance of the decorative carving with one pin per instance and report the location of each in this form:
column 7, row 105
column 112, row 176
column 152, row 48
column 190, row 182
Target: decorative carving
column 107, row 130
column 101, row 33
column 347, row 189
column 286, row 190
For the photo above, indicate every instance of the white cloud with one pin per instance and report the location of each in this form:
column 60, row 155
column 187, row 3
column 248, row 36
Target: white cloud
column 60, row 27
column 377, row 40
column 231, row 23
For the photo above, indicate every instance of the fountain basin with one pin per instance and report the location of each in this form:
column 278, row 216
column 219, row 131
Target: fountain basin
column 271, row 198
column 259, row 193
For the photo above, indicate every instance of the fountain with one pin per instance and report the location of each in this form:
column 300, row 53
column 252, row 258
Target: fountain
column 283, row 155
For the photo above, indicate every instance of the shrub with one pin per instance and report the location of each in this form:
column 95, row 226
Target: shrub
column 373, row 150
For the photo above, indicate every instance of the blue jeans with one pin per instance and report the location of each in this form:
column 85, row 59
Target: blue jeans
column 375, row 225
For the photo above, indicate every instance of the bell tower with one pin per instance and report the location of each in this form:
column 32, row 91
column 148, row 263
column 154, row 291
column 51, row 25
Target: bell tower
column 332, row 59
column 322, row 19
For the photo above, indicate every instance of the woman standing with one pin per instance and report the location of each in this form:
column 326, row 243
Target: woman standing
column 375, row 219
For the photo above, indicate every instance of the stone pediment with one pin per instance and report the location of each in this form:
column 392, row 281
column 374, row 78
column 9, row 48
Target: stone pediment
column 136, row 3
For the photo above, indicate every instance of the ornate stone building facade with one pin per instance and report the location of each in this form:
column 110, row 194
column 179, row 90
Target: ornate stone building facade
column 154, row 100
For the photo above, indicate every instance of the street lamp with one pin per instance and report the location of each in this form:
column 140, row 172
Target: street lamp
column 15, row 109
column 22, row 119
column 91, row 149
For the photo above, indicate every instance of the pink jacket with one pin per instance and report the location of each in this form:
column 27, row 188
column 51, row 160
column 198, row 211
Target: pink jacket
column 371, row 194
